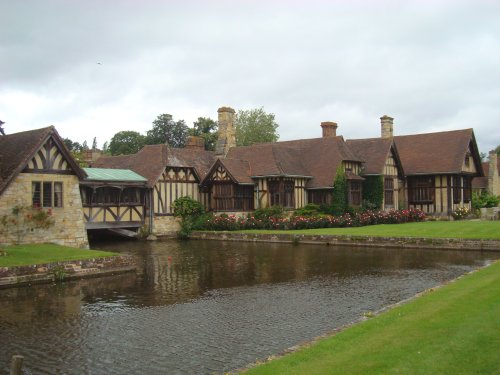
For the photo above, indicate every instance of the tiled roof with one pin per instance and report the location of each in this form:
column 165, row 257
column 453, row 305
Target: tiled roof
column 374, row 151
column 17, row 149
column 151, row 161
column 434, row 153
column 317, row 158
column 239, row 169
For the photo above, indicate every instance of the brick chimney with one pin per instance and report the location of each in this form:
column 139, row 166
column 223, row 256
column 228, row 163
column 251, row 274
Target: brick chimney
column 194, row 142
column 227, row 132
column 329, row 129
column 386, row 123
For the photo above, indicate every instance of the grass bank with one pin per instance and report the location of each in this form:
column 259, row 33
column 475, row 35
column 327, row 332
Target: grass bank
column 452, row 330
column 23, row 255
column 428, row 229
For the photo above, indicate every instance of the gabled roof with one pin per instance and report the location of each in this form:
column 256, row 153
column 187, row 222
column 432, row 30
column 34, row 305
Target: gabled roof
column 17, row 149
column 436, row 153
column 316, row 158
column 152, row 160
column 374, row 151
column 239, row 170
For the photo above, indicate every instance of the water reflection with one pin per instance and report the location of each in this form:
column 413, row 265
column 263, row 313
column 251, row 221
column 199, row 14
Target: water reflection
column 204, row 307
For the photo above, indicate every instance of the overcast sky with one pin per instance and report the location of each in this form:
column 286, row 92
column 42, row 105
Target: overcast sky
column 93, row 68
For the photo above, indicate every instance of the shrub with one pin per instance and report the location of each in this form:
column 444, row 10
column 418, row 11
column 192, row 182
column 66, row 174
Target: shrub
column 267, row 213
column 308, row 210
column 484, row 200
column 225, row 222
column 189, row 211
column 460, row 213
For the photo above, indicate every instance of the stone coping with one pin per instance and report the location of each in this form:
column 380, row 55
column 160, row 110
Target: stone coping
column 344, row 240
column 62, row 271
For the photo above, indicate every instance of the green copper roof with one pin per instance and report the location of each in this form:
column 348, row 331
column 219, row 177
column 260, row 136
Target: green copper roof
column 107, row 174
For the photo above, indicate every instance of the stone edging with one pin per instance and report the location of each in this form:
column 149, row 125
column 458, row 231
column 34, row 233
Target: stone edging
column 63, row 271
column 343, row 240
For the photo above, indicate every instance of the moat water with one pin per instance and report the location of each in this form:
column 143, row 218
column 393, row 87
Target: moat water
column 199, row 307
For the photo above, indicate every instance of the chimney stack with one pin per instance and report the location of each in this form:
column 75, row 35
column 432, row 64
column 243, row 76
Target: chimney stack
column 386, row 123
column 227, row 132
column 194, row 142
column 493, row 179
column 329, row 129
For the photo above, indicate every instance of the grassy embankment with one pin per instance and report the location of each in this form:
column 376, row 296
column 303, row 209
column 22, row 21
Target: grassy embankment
column 23, row 255
column 428, row 229
column 452, row 330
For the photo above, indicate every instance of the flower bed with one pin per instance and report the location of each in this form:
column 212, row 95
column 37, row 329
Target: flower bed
column 231, row 222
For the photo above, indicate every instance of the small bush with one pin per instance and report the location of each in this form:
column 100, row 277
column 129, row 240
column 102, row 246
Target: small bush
column 308, row 210
column 484, row 200
column 460, row 213
column 267, row 213
column 189, row 211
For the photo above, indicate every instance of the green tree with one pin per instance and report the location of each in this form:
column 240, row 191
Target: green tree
column 207, row 129
column 72, row 146
column 166, row 130
column 498, row 150
column 255, row 126
column 105, row 148
column 339, row 204
column 94, row 144
column 126, row 142
column 76, row 149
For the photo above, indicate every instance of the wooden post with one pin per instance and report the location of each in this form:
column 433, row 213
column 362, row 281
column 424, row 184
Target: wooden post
column 16, row 365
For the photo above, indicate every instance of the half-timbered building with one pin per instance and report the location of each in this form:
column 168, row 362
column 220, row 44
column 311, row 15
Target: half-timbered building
column 170, row 173
column 439, row 168
column 114, row 198
column 381, row 161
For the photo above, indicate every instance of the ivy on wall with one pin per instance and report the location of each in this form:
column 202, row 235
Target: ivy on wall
column 373, row 192
column 339, row 201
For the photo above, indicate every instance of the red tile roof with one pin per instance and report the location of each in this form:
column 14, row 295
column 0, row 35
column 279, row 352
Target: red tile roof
column 151, row 161
column 317, row 158
column 436, row 153
column 374, row 152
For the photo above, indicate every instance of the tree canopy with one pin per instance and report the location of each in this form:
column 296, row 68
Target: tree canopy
column 207, row 129
column 126, row 142
column 166, row 130
column 255, row 126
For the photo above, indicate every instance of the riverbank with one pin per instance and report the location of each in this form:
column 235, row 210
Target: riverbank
column 46, row 263
column 348, row 240
column 455, row 235
column 452, row 329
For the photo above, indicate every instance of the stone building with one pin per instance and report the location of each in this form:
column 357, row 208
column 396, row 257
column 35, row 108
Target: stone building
column 490, row 182
column 37, row 171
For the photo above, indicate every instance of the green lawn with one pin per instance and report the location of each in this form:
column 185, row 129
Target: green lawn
column 429, row 229
column 452, row 330
column 23, row 255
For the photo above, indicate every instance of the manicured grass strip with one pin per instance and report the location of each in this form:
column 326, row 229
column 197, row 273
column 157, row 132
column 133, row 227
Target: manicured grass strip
column 23, row 255
column 452, row 330
column 428, row 229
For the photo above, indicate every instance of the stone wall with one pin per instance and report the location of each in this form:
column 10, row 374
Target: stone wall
column 399, row 242
column 165, row 225
column 69, row 226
